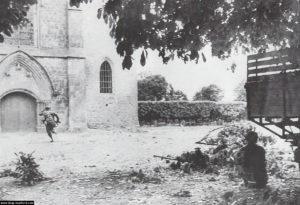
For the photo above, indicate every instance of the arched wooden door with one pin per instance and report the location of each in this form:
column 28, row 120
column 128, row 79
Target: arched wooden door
column 18, row 113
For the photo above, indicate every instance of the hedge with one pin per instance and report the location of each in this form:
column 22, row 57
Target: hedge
column 198, row 111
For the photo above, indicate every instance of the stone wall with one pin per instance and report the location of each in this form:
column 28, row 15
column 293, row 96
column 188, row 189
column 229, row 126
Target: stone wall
column 106, row 109
column 57, row 70
column 70, row 45
column 75, row 39
column 50, row 50
column 77, row 94
column 53, row 26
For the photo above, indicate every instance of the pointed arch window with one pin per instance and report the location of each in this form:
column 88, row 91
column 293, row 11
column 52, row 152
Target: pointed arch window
column 105, row 78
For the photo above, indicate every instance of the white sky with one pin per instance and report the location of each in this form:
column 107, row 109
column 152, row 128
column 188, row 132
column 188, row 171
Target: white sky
column 191, row 77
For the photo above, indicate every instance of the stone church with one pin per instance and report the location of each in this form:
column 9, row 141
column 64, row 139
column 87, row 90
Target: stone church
column 65, row 59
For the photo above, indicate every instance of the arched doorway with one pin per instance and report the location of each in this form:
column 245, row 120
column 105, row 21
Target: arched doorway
column 18, row 113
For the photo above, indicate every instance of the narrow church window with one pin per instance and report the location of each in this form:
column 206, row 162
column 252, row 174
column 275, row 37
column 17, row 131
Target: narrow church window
column 105, row 78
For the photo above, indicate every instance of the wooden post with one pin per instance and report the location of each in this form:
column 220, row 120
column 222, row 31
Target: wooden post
column 283, row 94
column 247, row 91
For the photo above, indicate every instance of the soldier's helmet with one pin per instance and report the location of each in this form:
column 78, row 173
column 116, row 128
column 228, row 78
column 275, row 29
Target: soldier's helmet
column 251, row 137
column 47, row 108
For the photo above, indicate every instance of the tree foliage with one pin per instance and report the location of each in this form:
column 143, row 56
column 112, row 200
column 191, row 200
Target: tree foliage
column 182, row 28
column 13, row 15
column 174, row 95
column 153, row 88
column 211, row 93
column 156, row 88
column 240, row 92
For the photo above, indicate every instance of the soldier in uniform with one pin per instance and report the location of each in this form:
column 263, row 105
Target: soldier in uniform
column 251, row 162
column 50, row 120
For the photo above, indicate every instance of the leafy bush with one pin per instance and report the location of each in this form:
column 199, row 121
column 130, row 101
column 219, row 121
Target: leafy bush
column 27, row 169
column 200, row 111
column 8, row 173
column 232, row 111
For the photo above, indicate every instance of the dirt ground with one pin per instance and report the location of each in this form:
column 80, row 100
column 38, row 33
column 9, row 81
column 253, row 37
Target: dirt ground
column 93, row 168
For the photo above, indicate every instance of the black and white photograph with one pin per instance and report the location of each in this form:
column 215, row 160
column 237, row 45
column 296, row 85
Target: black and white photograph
column 157, row 102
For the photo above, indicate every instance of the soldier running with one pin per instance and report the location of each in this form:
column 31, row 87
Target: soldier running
column 50, row 120
column 251, row 162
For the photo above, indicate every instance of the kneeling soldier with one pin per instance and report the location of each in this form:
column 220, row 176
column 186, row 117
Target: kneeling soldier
column 251, row 160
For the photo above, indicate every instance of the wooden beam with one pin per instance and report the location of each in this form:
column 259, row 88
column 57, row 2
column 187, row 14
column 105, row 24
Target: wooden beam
column 267, row 128
column 281, row 125
column 269, row 62
column 272, row 69
column 269, row 54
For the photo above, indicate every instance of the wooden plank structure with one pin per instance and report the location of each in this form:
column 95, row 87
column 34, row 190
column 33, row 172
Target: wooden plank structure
column 273, row 92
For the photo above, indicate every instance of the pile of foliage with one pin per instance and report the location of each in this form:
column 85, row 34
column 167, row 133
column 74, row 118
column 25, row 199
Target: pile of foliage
column 27, row 169
column 196, row 111
column 219, row 151
column 195, row 160
column 229, row 140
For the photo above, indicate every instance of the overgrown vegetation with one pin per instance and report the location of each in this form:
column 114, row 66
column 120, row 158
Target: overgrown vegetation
column 229, row 140
column 190, row 112
column 27, row 169
column 219, row 151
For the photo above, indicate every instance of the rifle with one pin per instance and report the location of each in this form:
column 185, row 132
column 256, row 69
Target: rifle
column 167, row 158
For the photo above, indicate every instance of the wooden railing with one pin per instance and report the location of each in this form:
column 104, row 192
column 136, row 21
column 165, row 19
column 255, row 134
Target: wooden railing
column 262, row 66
